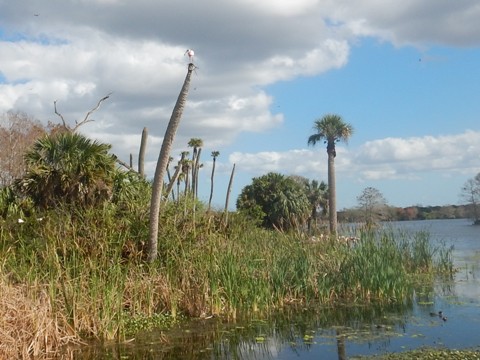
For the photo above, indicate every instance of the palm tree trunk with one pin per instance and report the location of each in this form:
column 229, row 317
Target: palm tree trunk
column 172, row 180
column 211, row 183
column 162, row 165
column 197, row 169
column 178, row 189
column 169, row 177
column 193, row 169
column 332, row 196
column 229, row 189
column 187, row 181
column 141, row 154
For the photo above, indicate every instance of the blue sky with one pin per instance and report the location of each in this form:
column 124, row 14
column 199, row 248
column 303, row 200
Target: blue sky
column 405, row 75
column 385, row 92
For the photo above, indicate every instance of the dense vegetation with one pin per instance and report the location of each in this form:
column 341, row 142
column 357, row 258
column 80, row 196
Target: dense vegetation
column 82, row 274
column 275, row 202
column 73, row 254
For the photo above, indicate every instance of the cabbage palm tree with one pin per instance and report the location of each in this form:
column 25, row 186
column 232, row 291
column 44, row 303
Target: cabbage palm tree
column 214, row 154
column 68, row 168
column 186, row 166
column 331, row 129
column 317, row 194
column 196, row 144
column 162, row 162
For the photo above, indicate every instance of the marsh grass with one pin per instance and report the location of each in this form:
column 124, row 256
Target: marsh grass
column 81, row 274
column 29, row 323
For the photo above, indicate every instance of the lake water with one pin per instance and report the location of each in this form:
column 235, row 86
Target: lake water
column 345, row 333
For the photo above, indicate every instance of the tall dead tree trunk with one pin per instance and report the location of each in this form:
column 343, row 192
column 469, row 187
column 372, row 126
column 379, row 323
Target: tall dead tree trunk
column 141, row 154
column 228, row 194
column 162, row 165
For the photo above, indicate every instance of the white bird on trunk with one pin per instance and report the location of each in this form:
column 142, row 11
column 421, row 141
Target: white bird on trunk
column 190, row 54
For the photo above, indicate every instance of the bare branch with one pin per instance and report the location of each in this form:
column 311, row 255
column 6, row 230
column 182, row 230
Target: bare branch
column 61, row 116
column 123, row 163
column 78, row 124
column 84, row 121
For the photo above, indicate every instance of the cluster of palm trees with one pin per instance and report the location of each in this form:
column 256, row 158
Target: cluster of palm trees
column 187, row 171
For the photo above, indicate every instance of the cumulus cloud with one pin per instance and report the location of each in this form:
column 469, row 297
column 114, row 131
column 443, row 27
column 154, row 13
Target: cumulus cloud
column 411, row 21
column 403, row 158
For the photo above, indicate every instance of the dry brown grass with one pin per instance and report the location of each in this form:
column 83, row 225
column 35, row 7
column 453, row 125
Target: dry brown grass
column 29, row 326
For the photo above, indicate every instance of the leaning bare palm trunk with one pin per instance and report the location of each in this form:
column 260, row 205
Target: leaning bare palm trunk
column 229, row 189
column 162, row 165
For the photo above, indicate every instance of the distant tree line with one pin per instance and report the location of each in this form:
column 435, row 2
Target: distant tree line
column 373, row 207
column 415, row 212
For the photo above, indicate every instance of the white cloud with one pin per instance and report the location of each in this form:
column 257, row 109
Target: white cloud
column 407, row 156
column 389, row 158
column 411, row 21
column 284, row 8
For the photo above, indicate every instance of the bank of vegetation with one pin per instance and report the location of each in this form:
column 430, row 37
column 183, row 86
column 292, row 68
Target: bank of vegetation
column 70, row 274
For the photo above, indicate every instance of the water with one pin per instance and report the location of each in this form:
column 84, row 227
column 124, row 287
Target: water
column 326, row 333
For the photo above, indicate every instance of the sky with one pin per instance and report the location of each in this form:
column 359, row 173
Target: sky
column 404, row 74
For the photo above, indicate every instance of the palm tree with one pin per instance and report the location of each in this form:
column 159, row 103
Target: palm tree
column 163, row 157
column 186, row 165
column 180, row 178
column 215, row 154
column 68, row 168
column 317, row 194
column 196, row 144
column 331, row 129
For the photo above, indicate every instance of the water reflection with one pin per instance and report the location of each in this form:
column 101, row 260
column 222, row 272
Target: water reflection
column 287, row 334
